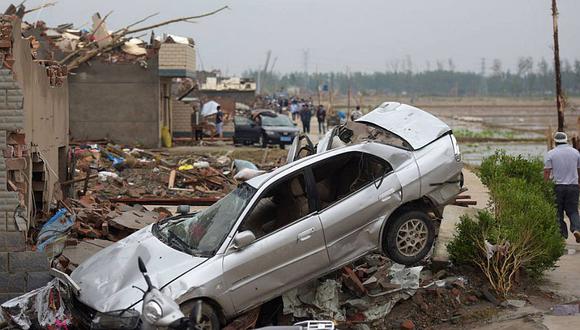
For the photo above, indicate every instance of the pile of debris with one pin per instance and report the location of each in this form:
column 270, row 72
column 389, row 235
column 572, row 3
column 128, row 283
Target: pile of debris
column 362, row 295
column 134, row 175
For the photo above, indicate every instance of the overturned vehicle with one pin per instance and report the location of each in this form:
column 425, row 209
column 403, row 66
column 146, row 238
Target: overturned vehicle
column 375, row 184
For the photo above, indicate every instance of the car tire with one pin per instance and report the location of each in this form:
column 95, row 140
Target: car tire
column 409, row 237
column 263, row 141
column 209, row 316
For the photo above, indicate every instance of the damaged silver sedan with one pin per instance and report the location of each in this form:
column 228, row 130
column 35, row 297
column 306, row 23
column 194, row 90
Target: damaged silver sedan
column 375, row 184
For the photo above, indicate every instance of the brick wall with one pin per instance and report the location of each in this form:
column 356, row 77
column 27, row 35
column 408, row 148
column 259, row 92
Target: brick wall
column 176, row 60
column 181, row 118
column 32, row 117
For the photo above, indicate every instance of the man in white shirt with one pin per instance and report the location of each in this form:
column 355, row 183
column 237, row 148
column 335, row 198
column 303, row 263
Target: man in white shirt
column 563, row 164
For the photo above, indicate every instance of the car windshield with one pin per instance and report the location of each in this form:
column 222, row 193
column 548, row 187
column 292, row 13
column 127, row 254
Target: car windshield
column 276, row 121
column 203, row 233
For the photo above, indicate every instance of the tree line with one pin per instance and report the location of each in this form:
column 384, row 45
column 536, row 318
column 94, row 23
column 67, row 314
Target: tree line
column 529, row 78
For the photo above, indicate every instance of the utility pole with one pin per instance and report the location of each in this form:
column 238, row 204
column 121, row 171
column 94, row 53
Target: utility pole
column 263, row 73
column 557, row 68
column 349, row 91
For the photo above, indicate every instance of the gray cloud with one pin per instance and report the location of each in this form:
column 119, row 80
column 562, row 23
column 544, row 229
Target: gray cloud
column 364, row 35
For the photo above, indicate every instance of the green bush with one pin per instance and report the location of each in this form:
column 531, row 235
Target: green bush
column 523, row 223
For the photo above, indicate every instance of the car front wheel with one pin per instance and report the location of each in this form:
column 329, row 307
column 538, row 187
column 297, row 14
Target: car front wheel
column 209, row 316
column 409, row 237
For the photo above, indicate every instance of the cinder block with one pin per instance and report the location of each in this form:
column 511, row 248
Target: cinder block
column 28, row 261
column 12, row 282
column 37, row 280
column 12, row 241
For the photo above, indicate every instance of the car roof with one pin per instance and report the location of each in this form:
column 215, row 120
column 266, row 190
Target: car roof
column 258, row 181
column 260, row 112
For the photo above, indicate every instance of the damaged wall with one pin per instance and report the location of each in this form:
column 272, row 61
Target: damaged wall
column 119, row 102
column 181, row 119
column 33, row 133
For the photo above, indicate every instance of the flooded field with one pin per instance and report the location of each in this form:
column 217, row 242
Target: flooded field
column 518, row 126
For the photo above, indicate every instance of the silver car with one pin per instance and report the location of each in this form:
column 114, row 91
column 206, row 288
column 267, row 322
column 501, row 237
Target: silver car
column 374, row 184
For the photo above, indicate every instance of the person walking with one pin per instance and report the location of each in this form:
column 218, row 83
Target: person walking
column 196, row 125
column 305, row 116
column 219, row 122
column 356, row 114
column 321, row 116
column 562, row 164
column 294, row 110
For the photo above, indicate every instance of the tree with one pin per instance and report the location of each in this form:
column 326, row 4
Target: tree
column 496, row 67
column 543, row 67
column 451, row 64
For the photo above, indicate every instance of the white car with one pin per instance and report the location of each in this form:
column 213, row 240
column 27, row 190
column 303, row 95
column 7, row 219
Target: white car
column 375, row 184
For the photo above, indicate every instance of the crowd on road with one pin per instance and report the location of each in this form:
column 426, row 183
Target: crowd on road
column 305, row 110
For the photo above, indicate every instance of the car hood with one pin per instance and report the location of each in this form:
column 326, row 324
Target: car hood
column 281, row 128
column 107, row 278
column 413, row 125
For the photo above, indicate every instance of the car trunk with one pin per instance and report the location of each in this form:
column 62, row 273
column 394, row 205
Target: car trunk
column 417, row 127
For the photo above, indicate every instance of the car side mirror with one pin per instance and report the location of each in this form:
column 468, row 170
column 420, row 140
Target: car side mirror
column 243, row 239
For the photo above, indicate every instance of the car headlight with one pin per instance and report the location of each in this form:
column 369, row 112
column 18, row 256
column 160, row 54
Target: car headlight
column 270, row 132
column 152, row 312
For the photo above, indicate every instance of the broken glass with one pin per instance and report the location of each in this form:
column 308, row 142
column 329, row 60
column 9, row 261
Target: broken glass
column 202, row 233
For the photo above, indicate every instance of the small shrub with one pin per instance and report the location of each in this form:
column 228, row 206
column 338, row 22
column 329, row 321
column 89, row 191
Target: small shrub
column 523, row 227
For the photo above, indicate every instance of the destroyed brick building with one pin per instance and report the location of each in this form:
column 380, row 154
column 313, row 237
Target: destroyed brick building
column 34, row 142
column 125, row 96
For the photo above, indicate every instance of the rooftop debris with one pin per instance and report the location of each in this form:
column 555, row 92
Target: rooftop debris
column 64, row 48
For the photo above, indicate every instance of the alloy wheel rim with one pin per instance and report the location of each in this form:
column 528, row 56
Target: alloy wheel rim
column 412, row 237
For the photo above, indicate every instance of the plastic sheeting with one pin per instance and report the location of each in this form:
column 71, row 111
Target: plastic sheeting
column 55, row 228
column 42, row 307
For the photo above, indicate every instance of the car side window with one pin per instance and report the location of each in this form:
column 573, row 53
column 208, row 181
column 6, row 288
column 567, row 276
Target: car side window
column 280, row 205
column 343, row 175
column 239, row 120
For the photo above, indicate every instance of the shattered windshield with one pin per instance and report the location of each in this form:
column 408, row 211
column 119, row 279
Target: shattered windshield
column 203, row 233
column 276, row 121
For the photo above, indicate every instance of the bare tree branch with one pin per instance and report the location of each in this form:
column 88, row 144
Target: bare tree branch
column 176, row 20
column 48, row 4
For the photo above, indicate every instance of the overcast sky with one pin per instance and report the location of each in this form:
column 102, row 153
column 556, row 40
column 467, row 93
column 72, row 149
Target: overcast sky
column 365, row 35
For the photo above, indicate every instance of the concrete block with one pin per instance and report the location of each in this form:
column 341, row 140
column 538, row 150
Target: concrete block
column 12, row 241
column 37, row 280
column 12, row 282
column 28, row 261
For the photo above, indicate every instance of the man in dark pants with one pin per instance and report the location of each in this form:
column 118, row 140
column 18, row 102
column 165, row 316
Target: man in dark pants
column 305, row 115
column 562, row 164
column 196, row 125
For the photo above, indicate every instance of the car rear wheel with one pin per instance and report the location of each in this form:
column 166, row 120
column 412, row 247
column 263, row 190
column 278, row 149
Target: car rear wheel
column 209, row 316
column 409, row 237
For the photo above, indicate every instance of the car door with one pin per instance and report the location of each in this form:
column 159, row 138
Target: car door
column 280, row 258
column 352, row 218
column 246, row 129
